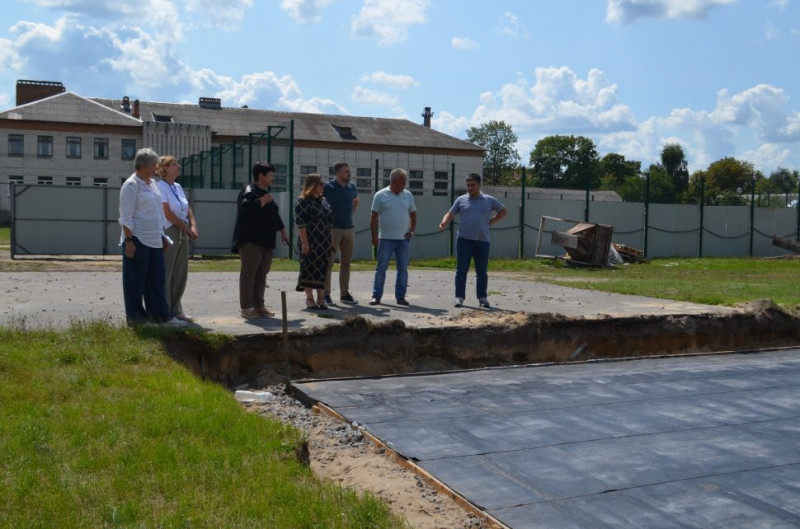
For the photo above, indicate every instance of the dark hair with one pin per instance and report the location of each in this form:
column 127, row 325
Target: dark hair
column 339, row 165
column 474, row 176
column 262, row 168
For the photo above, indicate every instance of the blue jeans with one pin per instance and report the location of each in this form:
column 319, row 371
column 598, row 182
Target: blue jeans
column 387, row 247
column 478, row 251
column 144, row 276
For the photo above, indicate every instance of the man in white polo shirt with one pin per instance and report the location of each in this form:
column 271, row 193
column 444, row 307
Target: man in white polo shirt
column 392, row 223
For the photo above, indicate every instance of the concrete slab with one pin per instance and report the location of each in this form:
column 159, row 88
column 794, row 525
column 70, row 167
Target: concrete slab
column 704, row 441
column 57, row 298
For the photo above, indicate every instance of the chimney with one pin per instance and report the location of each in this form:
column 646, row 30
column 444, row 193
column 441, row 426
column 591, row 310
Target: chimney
column 135, row 108
column 427, row 115
column 28, row 91
column 126, row 104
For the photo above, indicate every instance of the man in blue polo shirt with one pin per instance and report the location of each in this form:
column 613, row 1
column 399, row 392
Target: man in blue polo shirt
column 475, row 211
column 342, row 195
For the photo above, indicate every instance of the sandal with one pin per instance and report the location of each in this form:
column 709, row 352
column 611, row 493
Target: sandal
column 311, row 305
column 265, row 311
column 322, row 305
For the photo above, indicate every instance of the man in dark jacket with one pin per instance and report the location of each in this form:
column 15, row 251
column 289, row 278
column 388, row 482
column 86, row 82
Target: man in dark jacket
column 257, row 224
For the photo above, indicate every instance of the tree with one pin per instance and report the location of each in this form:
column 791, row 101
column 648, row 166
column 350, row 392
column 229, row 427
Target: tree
column 673, row 159
column 784, row 181
column 565, row 161
column 725, row 181
column 499, row 140
column 662, row 186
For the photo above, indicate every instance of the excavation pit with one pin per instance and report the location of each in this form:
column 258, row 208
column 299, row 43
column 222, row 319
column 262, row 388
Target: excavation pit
column 358, row 347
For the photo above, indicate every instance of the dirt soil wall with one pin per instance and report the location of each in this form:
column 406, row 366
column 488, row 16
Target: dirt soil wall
column 358, row 348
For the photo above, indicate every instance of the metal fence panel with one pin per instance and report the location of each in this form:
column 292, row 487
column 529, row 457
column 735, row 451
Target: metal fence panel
column 726, row 231
column 673, row 230
column 626, row 217
column 771, row 222
column 58, row 220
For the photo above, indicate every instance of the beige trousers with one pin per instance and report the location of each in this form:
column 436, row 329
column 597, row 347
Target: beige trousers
column 176, row 258
column 345, row 240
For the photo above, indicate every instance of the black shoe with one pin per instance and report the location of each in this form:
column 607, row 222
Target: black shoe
column 402, row 301
column 375, row 301
column 349, row 299
column 328, row 300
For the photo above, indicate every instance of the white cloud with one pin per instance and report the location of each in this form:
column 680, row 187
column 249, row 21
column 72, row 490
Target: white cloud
column 511, row 26
column 223, row 14
column 778, row 4
column 771, row 32
column 393, row 81
column 367, row 96
column 463, row 43
column 624, row 12
column 389, row 20
column 261, row 89
column 305, row 11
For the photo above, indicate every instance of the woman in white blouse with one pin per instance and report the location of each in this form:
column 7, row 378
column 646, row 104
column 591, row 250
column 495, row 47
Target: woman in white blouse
column 181, row 228
column 143, row 239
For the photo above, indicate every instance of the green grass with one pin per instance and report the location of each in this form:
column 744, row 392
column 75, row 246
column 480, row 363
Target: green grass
column 5, row 237
column 101, row 429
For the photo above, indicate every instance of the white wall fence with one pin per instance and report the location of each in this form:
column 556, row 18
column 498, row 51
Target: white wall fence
column 56, row 220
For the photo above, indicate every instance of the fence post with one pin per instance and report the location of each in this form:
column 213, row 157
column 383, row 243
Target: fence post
column 522, row 219
column 452, row 199
column 797, row 207
column 374, row 249
column 105, row 221
column 702, row 206
column 752, row 212
column 646, row 211
column 12, row 206
column 588, row 190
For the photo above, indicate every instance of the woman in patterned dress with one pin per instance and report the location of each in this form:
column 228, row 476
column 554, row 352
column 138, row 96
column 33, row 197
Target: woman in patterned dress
column 314, row 220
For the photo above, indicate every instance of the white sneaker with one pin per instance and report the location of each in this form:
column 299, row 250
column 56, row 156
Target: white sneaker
column 174, row 322
column 459, row 302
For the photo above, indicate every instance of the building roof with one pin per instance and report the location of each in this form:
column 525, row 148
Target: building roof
column 69, row 107
column 239, row 122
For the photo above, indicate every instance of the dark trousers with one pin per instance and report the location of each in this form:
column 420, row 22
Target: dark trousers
column 478, row 251
column 144, row 276
column 255, row 264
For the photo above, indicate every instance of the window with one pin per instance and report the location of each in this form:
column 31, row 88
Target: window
column 239, row 157
column 440, row 189
column 346, row 133
column 440, row 185
column 16, row 178
column 16, row 145
column 73, row 147
column 415, row 175
column 331, row 172
column 308, row 169
column 44, row 146
column 415, row 184
column 363, row 183
column 387, row 173
column 45, row 180
column 128, row 149
column 363, row 171
column 441, row 175
column 280, row 168
column 162, row 118
column 101, row 148
column 73, row 180
column 100, row 181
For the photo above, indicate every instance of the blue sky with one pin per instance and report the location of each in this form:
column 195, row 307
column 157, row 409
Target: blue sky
column 720, row 77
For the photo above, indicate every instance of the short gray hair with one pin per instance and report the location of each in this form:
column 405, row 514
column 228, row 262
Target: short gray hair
column 397, row 173
column 145, row 158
